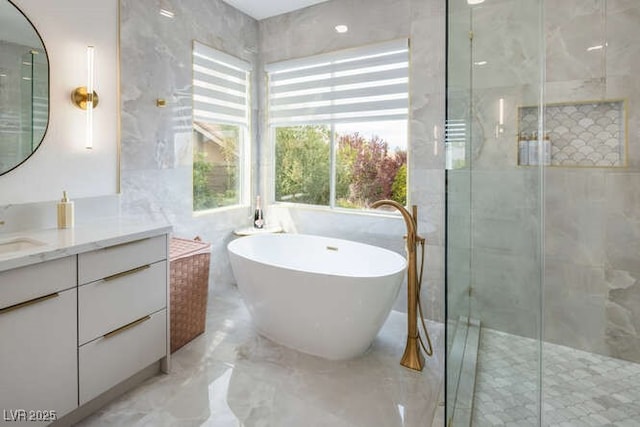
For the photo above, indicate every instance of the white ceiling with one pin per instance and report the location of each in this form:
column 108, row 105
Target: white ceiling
column 261, row 9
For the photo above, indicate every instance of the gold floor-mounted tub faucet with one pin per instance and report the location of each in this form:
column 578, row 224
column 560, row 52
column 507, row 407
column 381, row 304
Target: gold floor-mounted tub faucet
column 412, row 357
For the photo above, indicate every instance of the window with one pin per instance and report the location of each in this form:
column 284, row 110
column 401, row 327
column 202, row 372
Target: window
column 220, row 128
column 339, row 125
column 455, row 143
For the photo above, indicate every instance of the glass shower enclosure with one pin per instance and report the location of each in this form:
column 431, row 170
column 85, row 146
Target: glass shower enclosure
column 543, row 213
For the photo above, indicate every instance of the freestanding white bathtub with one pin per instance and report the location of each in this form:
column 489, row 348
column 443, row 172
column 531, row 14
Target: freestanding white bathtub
column 322, row 296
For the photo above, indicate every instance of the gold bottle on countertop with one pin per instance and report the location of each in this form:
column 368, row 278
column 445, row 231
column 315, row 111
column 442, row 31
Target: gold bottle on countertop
column 65, row 212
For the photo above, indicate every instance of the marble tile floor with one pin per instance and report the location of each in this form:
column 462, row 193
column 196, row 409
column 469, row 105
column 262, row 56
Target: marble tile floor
column 230, row 376
column 579, row 389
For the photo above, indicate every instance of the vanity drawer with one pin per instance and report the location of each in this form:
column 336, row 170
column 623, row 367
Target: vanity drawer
column 107, row 304
column 107, row 361
column 112, row 260
column 33, row 281
column 39, row 356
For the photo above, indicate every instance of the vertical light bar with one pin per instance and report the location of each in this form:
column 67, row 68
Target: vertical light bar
column 500, row 125
column 90, row 65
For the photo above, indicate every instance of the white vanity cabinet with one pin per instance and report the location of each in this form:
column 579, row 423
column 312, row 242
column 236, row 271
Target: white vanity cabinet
column 83, row 318
column 38, row 342
column 122, row 313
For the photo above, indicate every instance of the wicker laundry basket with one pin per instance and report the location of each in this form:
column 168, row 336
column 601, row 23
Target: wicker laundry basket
column 189, row 277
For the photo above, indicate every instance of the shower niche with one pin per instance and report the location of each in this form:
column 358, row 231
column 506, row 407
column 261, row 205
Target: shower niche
column 577, row 134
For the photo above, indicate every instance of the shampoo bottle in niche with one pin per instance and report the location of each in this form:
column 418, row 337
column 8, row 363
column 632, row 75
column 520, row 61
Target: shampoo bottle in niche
column 523, row 149
column 534, row 154
column 258, row 216
column 546, row 150
column 65, row 212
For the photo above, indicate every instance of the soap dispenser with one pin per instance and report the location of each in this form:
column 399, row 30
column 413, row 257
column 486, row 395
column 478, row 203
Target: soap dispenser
column 523, row 149
column 65, row 212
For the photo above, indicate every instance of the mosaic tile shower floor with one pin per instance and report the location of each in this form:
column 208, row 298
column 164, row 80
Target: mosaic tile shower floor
column 580, row 389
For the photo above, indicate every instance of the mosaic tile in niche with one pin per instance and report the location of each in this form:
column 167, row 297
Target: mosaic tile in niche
column 581, row 134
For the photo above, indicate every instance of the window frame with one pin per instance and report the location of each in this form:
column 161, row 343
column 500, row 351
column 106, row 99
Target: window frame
column 271, row 132
column 245, row 128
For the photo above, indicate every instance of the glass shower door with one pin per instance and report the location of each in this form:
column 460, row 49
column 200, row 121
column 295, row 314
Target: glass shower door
column 458, row 209
column 494, row 212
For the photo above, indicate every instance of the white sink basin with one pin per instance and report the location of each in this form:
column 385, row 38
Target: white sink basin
column 18, row 244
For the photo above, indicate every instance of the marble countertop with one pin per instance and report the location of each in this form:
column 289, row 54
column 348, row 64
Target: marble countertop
column 58, row 243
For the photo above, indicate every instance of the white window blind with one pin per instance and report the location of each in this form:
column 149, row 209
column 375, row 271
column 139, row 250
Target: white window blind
column 353, row 85
column 220, row 86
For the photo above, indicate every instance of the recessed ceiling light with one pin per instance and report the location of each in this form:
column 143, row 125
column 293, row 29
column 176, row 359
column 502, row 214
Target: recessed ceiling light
column 480, row 63
column 167, row 13
column 475, row 1
column 341, row 29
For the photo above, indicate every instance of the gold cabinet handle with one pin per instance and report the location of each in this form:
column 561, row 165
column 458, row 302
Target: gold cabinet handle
column 118, row 245
column 28, row 303
column 125, row 327
column 126, row 273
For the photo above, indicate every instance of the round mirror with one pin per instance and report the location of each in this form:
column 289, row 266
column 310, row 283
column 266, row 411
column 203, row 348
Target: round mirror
column 24, row 88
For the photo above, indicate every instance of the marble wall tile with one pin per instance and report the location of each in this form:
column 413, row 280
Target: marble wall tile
column 623, row 195
column 432, row 291
column 574, row 305
column 621, row 242
column 310, row 31
column 426, row 126
column 458, row 229
column 575, row 90
column 515, row 236
column 425, row 9
column 567, row 57
column 428, row 58
column 574, row 233
column 458, row 282
column 156, row 151
column 575, row 203
column 628, row 88
column 506, row 289
column 622, row 33
column 458, row 193
column 458, row 233
column 505, row 194
column 500, row 61
column 428, row 194
column 623, row 314
column 458, row 54
column 591, row 214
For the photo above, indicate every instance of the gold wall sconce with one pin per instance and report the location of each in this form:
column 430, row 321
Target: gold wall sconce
column 85, row 97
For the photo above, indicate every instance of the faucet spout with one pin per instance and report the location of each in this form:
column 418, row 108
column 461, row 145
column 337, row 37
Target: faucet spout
column 412, row 358
column 408, row 219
